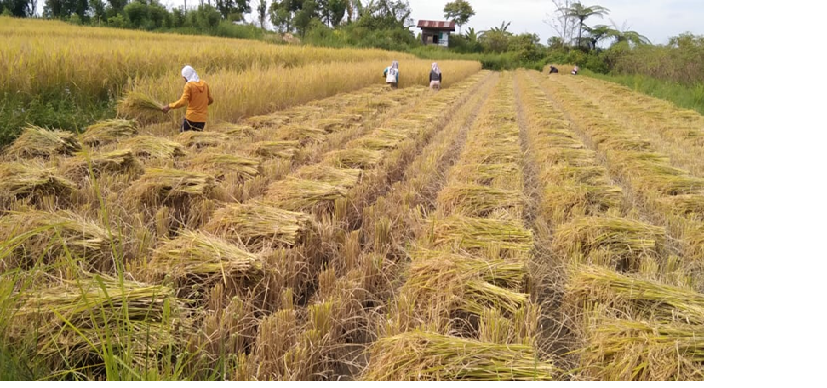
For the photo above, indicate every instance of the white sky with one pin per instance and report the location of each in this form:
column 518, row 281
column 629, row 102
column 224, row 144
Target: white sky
column 655, row 19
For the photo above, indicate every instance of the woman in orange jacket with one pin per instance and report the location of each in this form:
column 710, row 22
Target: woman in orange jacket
column 196, row 98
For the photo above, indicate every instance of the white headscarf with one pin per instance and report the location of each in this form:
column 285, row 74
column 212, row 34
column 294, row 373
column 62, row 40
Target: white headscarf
column 395, row 65
column 435, row 68
column 189, row 73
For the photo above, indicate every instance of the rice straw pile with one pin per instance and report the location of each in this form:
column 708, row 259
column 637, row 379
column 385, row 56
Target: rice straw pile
column 206, row 257
column 276, row 149
column 120, row 161
column 235, row 130
column 258, row 225
column 202, row 139
column 423, row 356
column 31, row 235
column 74, row 319
column 354, row 158
column 219, row 164
column 41, row 142
column 20, row 180
column 159, row 185
column 481, row 233
column 301, row 194
column 478, row 201
column 612, row 241
column 153, row 147
column 108, row 131
column 341, row 177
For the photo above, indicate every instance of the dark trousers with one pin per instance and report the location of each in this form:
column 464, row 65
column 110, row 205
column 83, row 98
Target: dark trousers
column 192, row 126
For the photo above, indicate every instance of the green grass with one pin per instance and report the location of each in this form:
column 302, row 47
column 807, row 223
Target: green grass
column 687, row 97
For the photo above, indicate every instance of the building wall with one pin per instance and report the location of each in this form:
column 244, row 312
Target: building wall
column 442, row 37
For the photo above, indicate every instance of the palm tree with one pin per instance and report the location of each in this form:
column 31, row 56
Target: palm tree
column 598, row 33
column 471, row 34
column 581, row 13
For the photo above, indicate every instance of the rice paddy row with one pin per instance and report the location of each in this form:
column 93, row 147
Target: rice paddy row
column 670, row 196
column 675, row 132
column 462, row 312
column 624, row 302
column 199, row 265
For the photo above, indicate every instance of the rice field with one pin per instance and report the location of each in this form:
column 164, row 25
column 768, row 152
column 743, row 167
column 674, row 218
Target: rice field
column 512, row 226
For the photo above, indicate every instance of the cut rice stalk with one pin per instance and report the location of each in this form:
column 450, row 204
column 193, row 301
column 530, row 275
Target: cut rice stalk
column 204, row 256
column 141, row 107
column 41, row 142
column 342, row 177
column 199, row 139
column 480, row 233
column 478, row 201
column 153, row 147
column 219, row 164
column 276, row 149
column 613, row 241
column 354, row 158
column 119, row 161
column 259, row 225
column 423, row 356
column 301, row 194
column 32, row 180
column 302, row 134
column 235, row 130
column 30, row 235
column 160, row 185
column 108, row 131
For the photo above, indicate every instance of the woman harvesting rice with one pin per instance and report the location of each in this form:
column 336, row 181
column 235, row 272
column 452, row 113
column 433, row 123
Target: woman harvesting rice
column 392, row 75
column 196, row 97
column 436, row 76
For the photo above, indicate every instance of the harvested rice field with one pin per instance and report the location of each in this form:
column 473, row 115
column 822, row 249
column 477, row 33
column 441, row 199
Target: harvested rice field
column 512, row 226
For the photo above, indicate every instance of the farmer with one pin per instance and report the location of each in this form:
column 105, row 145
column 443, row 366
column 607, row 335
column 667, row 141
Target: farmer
column 575, row 70
column 196, row 97
column 553, row 70
column 436, row 77
column 392, row 75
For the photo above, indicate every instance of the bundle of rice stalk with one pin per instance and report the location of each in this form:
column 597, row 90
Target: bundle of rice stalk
column 34, row 234
column 635, row 296
column 203, row 256
column 492, row 155
column 236, row 130
column 374, row 143
column 198, row 139
column 611, row 240
column 687, row 205
column 354, row 158
column 333, row 124
column 423, row 356
column 478, row 201
column 141, row 107
column 585, row 175
column 341, row 177
column 562, row 202
column 108, row 131
column 300, row 194
column 258, row 225
column 566, row 156
column 74, row 319
column 482, row 233
column 22, row 180
column 389, row 134
column 160, row 185
column 619, row 349
column 41, row 142
column 153, row 147
column 559, row 142
column 672, row 184
column 264, row 121
column 301, row 133
column 219, row 164
column 276, row 149
column 484, row 174
column 120, row 161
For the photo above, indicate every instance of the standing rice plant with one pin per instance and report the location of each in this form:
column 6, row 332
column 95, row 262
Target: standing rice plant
column 41, row 142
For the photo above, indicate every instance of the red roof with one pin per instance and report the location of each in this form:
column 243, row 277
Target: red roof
column 433, row 24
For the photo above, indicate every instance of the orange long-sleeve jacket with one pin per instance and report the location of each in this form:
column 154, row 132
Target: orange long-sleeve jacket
column 196, row 97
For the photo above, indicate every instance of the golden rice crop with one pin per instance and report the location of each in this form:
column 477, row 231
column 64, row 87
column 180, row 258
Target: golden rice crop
column 41, row 142
column 107, row 131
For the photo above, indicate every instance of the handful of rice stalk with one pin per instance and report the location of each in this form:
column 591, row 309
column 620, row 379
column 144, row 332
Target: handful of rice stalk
column 140, row 106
